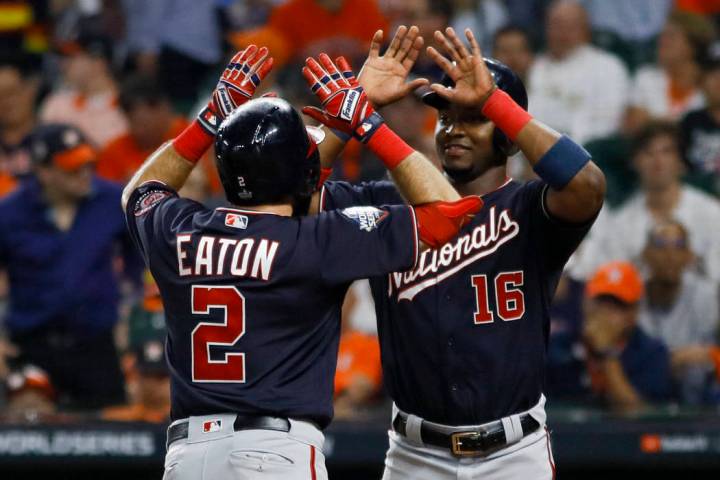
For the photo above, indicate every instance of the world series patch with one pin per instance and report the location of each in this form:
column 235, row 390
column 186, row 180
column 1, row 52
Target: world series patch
column 367, row 218
column 148, row 200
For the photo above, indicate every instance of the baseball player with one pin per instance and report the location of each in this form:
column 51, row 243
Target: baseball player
column 252, row 293
column 463, row 334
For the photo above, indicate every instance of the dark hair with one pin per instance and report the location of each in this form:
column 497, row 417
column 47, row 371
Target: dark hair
column 443, row 7
column 512, row 28
column 698, row 29
column 654, row 129
column 664, row 223
column 141, row 89
column 28, row 65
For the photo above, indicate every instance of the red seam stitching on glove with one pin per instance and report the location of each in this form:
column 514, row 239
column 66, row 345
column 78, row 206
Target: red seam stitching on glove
column 193, row 142
column 507, row 115
column 389, row 148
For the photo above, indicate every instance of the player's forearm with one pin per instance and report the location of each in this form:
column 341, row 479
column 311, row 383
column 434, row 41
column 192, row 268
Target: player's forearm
column 576, row 199
column 577, row 184
column 166, row 166
column 621, row 394
column 330, row 148
column 419, row 181
column 172, row 163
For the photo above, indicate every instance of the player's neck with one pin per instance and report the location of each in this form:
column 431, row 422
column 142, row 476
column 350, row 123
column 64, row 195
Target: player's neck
column 489, row 181
column 284, row 209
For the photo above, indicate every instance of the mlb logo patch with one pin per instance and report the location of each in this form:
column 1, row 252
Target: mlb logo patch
column 212, row 426
column 236, row 221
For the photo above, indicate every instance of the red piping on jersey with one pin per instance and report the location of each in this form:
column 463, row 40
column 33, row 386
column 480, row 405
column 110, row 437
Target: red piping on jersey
column 313, row 475
column 248, row 212
column 416, row 239
column 550, row 459
column 505, row 183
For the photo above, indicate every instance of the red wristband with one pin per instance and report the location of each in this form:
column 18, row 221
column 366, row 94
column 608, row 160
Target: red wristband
column 507, row 115
column 389, row 148
column 193, row 142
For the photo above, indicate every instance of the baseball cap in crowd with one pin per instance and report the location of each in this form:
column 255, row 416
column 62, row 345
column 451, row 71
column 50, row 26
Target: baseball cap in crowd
column 60, row 145
column 620, row 280
column 91, row 43
column 29, row 377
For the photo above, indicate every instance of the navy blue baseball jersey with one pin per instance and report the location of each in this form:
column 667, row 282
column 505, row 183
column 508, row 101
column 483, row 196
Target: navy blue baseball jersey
column 252, row 300
column 463, row 335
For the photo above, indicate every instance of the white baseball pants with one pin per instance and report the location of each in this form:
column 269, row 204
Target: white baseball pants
column 247, row 454
column 529, row 458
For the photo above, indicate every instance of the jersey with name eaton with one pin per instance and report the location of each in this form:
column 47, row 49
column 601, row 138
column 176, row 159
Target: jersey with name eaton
column 463, row 334
column 252, row 300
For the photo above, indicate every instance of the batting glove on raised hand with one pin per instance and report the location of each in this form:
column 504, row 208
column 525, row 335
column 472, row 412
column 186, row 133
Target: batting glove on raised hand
column 237, row 85
column 346, row 108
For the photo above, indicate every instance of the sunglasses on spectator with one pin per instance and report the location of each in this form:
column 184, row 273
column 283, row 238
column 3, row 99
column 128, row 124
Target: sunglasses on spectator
column 659, row 242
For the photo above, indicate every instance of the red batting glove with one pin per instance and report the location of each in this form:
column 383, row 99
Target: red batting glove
column 347, row 110
column 237, row 85
column 438, row 222
column 345, row 103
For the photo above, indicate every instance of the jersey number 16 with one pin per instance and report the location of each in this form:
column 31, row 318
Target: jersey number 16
column 509, row 298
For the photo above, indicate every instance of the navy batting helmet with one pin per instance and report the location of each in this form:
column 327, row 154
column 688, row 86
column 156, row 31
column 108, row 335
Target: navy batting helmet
column 265, row 154
column 506, row 80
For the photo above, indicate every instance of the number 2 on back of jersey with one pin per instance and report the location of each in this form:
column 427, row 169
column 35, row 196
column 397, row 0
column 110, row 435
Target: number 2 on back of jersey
column 231, row 368
column 509, row 298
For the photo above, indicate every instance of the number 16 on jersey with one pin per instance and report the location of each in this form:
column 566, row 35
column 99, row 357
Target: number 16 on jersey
column 509, row 298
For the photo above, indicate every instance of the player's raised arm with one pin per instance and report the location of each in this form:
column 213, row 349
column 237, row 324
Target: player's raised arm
column 577, row 184
column 347, row 112
column 172, row 163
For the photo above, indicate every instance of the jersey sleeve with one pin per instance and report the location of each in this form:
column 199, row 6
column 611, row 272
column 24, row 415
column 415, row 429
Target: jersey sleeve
column 555, row 238
column 150, row 209
column 336, row 195
column 362, row 242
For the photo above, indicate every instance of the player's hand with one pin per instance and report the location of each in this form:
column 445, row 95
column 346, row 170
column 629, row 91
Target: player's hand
column 473, row 81
column 384, row 77
column 237, row 84
column 346, row 108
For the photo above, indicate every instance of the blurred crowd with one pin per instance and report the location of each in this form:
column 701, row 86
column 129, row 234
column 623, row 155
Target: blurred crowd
column 89, row 88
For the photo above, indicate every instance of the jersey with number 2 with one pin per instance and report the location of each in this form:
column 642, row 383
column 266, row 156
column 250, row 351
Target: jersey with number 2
column 252, row 300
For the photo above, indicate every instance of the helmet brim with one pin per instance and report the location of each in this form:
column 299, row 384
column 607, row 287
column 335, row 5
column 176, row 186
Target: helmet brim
column 434, row 100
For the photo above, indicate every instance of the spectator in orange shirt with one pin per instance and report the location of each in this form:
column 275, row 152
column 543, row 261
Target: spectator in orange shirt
column 151, row 122
column 347, row 27
column 89, row 101
column 359, row 373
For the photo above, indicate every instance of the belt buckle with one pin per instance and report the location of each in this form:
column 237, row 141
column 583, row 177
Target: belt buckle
column 460, row 441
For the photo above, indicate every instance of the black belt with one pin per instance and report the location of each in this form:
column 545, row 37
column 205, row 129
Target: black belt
column 179, row 431
column 479, row 440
